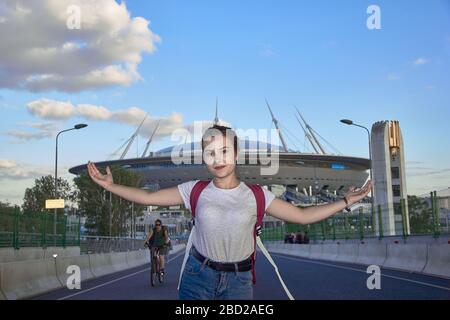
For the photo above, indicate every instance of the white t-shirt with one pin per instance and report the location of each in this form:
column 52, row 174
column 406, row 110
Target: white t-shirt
column 224, row 220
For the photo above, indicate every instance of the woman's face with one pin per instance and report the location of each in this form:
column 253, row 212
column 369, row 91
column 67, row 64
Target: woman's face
column 219, row 156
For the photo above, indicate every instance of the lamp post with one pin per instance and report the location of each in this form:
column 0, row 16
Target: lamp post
column 350, row 123
column 76, row 127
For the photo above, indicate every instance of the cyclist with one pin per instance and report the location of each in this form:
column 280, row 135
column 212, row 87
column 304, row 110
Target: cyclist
column 158, row 239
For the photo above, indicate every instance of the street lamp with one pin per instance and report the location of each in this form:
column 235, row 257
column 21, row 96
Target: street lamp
column 350, row 123
column 76, row 127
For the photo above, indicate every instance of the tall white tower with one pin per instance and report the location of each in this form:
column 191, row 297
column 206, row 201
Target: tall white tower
column 388, row 161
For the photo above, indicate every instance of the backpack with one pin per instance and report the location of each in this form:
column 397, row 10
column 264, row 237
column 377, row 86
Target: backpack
column 260, row 211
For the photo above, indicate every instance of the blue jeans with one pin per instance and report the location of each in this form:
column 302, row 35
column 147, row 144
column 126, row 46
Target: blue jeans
column 200, row 282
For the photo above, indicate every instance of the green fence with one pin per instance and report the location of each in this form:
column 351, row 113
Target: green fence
column 37, row 230
column 390, row 220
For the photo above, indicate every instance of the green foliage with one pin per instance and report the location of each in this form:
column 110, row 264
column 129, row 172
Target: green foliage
column 43, row 189
column 94, row 203
column 420, row 215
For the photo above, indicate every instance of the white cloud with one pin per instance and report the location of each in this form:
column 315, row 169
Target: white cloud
column 39, row 52
column 420, row 61
column 44, row 130
column 52, row 109
column 25, row 135
column 93, row 112
column 10, row 169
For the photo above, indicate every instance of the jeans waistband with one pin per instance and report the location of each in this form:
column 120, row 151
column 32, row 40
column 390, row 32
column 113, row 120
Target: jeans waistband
column 242, row 266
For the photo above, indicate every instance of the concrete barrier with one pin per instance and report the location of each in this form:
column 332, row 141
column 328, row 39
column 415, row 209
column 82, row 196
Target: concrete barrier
column 61, row 252
column 177, row 248
column 372, row 254
column 347, row 253
column 7, row 255
column 289, row 248
column 119, row 260
column 329, row 252
column 304, row 250
column 438, row 263
column 24, row 254
column 409, row 257
column 101, row 264
column 23, row 279
column 315, row 251
column 28, row 253
column 81, row 261
column 2, row 295
column 137, row 258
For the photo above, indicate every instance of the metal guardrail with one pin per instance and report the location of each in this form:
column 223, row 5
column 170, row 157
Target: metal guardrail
column 94, row 244
column 37, row 230
column 364, row 224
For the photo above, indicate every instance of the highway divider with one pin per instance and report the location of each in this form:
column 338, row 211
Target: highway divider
column 411, row 257
column 430, row 259
column 438, row 260
column 83, row 262
column 23, row 279
column 372, row 254
column 28, row 278
column 347, row 252
column 31, row 253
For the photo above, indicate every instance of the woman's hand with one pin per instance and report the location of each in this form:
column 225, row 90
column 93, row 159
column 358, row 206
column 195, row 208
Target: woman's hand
column 104, row 180
column 353, row 196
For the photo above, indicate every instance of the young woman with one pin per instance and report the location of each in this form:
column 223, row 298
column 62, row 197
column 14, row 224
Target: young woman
column 225, row 218
column 160, row 241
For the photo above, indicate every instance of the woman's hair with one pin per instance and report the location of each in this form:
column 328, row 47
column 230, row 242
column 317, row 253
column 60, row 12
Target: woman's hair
column 220, row 130
column 157, row 220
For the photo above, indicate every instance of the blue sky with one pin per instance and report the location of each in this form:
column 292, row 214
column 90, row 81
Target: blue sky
column 317, row 55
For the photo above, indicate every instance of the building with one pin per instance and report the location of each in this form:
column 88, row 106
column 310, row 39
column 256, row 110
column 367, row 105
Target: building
column 388, row 161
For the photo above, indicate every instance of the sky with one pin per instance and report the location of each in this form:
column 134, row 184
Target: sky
column 171, row 59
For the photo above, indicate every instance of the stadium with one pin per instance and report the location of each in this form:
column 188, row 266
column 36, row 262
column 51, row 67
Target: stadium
column 301, row 176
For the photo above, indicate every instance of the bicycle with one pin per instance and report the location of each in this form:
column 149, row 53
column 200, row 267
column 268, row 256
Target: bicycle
column 155, row 271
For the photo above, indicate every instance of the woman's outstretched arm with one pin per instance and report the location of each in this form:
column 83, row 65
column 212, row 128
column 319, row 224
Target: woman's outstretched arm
column 286, row 211
column 163, row 197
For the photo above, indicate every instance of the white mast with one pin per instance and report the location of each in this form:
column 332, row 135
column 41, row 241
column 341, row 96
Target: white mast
column 150, row 140
column 132, row 139
column 216, row 119
column 275, row 121
column 312, row 133
column 307, row 134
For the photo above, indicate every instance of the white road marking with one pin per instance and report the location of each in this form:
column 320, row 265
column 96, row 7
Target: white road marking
column 359, row 270
column 115, row 280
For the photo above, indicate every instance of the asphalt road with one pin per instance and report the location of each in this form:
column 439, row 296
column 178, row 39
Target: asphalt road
column 306, row 279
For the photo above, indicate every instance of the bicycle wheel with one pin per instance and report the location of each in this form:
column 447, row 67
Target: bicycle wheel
column 154, row 276
column 153, row 272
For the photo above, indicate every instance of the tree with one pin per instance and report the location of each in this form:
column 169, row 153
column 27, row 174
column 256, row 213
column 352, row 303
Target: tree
column 43, row 189
column 94, row 203
column 7, row 212
column 420, row 215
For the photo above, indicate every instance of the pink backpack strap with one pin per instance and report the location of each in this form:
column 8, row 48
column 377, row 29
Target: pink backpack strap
column 260, row 210
column 195, row 194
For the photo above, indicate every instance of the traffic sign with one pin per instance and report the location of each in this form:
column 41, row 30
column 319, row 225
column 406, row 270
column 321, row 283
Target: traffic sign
column 54, row 203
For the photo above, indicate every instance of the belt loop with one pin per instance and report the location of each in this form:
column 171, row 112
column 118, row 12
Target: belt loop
column 204, row 263
column 236, row 269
